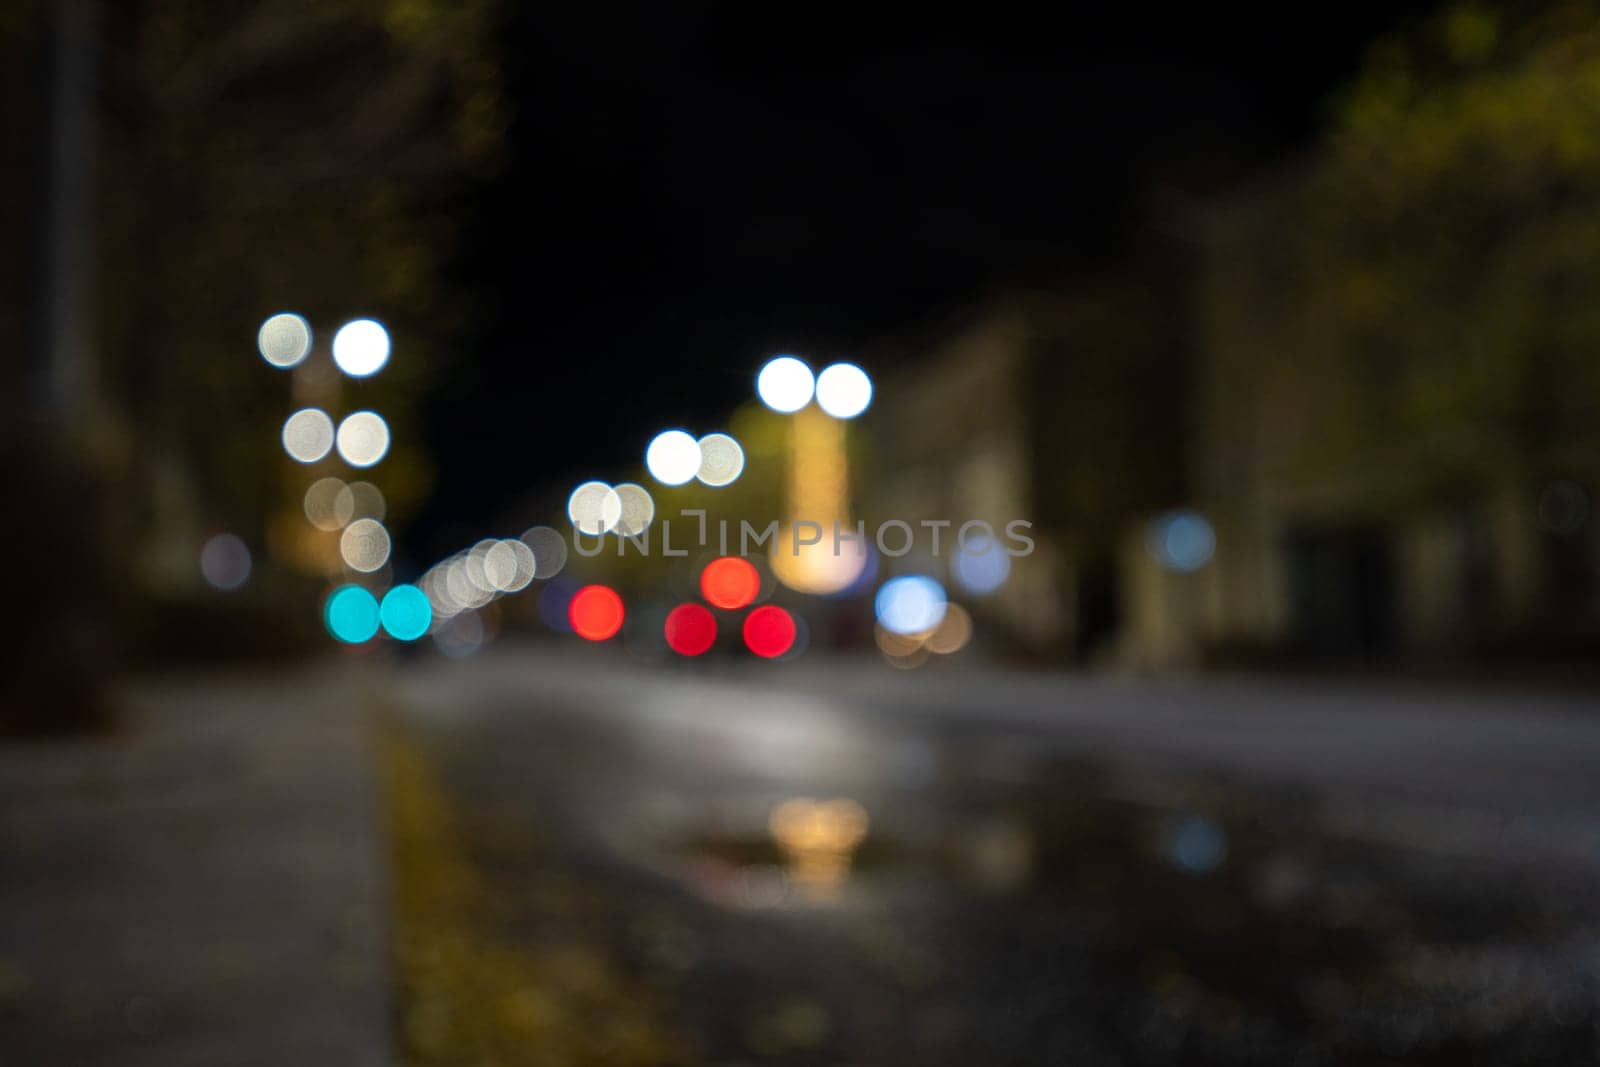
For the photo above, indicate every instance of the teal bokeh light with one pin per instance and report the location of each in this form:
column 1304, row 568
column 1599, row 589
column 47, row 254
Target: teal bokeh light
column 406, row 613
column 351, row 614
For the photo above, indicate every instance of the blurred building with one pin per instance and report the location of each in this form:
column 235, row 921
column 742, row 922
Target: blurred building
column 1342, row 533
column 1060, row 408
column 1331, row 532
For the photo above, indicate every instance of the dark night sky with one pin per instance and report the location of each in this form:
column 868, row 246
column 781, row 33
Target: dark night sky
column 694, row 187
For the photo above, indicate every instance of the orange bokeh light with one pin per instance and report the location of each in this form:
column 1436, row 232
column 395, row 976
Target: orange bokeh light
column 729, row 582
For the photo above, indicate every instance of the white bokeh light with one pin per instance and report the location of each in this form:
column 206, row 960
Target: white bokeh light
column 508, row 565
column 673, row 457
column 549, row 550
column 369, row 502
column 785, row 384
column 308, row 435
column 721, row 460
column 363, row 438
column 364, row 545
column 594, row 508
column 843, row 390
column 284, row 339
column 638, row 509
column 361, row 347
column 329, row 504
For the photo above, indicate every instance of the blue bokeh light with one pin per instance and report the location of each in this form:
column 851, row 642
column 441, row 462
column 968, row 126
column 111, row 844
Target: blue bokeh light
column 911, row 604
column 981, row 567
column 351, row 614
column 405, row 613
column 1182, row 541
column 1196, row 844
column 554, row 600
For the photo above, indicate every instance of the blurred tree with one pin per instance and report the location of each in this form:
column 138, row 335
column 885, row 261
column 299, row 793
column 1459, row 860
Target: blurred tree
column 268, row 155
column 184, row 169
column 1453, row 256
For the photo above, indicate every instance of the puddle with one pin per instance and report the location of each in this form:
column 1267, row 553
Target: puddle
column 1194, row 920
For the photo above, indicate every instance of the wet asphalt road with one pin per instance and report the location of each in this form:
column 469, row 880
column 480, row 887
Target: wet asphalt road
column 1050, row 870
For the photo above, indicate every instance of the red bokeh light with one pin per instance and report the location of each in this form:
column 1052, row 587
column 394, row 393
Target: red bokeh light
column 729, row 582
column 769, row 631
column 596, row 612
column 691, row 629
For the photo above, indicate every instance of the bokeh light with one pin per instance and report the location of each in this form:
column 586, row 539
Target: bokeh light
column 844, row 390
column 369, row 502
column 952, row 633
column 434, row 588
column 225, row 562
column 329, row 504
column 769, row 631
column 817, row 838
column 508, row 565
column 785, row 384
column 802, row 556
column 673, row 457
column 595, row 612
column 363, row 439
column 729, row 582
column 361, row 347
column 405, row 613
column 549, row 550
column 638, row 509
column 555, row 604
column 364, row 545
column 1182, row 541
column 351, row 614
column 911, row 604
column 893, row 644
column 1195, row 844
column 594, row 508
column 498, row 565
column 527, row 566
column 690, row 630
column 980, row 566
column 464, row 594
column 721, row 460
column 284, row 339
column 308, row 435
column 471, row 566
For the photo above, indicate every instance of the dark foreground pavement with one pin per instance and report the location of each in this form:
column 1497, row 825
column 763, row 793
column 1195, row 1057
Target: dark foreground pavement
column 603, row 862
column 990, row 868
column 204, row 889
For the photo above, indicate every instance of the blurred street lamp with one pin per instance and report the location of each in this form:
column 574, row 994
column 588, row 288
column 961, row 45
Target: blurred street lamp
column 785, row 384
column 361, row 348
column 844, row 390
column 673, row 457
column 818, row 484
column 284, row 339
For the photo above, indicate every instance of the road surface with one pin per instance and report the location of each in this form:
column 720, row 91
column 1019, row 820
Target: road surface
column 829, row 861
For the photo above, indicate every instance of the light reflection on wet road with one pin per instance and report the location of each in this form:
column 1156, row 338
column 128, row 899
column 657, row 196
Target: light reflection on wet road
column 1042, row 868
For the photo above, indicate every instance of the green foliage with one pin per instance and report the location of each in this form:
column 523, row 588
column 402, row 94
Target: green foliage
column 262, row 156
column 1453, row 253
